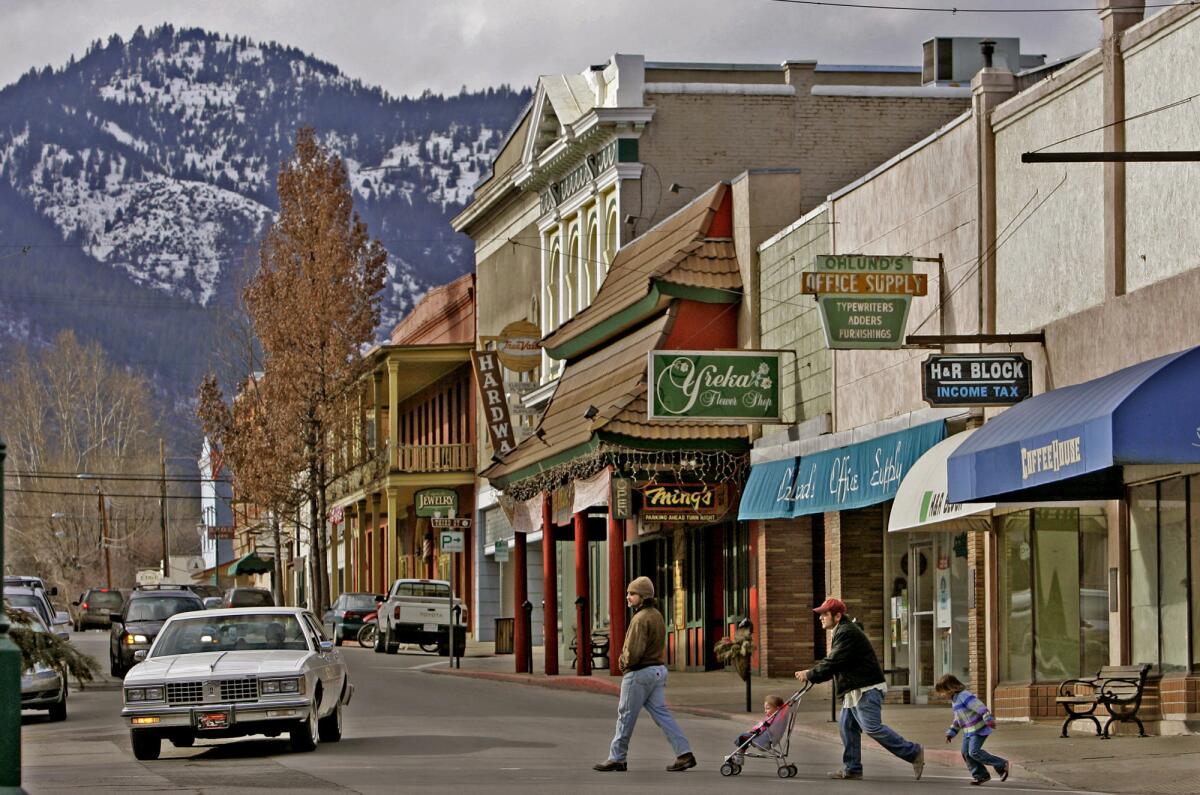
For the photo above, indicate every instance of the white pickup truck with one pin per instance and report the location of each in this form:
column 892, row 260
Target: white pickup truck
column 418, row 611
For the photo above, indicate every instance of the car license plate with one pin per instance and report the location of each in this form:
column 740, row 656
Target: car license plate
column 431, row 627
column 212, row 720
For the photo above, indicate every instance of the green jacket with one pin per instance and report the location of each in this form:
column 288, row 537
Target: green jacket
column 645, row 639
column 851, row 662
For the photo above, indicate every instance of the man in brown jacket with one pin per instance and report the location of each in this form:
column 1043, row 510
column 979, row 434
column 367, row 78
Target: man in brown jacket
column 645, row 681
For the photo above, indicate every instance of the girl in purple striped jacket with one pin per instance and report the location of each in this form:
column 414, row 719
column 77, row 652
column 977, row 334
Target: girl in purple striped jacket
column 976, row 722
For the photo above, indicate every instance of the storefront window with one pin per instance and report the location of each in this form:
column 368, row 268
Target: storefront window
column 737, row 572
column 1016, row 597
column 1163, row 542
column 1054, row 594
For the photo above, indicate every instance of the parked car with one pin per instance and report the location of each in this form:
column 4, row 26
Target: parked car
column 237, row 672
column 248, row 597
column 206, row 589
column 35, row 602
column 418, row 611
column 94, row 607
column 44, row 687
column 212, row 602
column 138, row 624
column 345, row 618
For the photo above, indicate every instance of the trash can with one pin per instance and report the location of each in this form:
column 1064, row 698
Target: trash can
column 504, row 635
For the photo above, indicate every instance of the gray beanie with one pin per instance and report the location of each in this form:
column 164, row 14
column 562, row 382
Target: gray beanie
column 643, row 587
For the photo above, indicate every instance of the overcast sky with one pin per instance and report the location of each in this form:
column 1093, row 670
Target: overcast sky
column 406, row 46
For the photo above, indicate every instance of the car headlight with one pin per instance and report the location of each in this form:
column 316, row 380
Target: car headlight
column 154, row 693
column 135, row 694
column 289, row 685
column 131, row 639
column 271, row 687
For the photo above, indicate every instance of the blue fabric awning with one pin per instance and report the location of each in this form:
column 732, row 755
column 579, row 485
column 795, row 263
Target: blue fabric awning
column 860, row 474
column 768, row 492
column 1144, row 414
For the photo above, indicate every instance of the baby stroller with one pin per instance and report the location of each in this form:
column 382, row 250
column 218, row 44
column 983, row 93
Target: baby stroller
column 770, row 739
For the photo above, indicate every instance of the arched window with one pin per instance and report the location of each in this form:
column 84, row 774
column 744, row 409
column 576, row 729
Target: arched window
column 553, row 280
column 611, row 232
column 570, row 290
column 594, row 261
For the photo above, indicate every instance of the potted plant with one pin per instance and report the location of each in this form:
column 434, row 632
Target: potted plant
column 736, row 651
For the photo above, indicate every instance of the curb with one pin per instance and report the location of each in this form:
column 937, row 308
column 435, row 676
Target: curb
column 938, row 756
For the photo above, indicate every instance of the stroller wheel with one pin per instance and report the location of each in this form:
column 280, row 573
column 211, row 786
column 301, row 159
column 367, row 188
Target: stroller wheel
column 727, row 769
column 737, row 770
column 792, row 771
column 784, row 772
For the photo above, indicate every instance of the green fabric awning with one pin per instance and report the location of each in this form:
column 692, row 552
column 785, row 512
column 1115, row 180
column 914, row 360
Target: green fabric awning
column 251, row 564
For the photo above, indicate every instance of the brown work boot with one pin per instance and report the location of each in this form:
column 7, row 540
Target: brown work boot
column 682, row 763
column 611, row 765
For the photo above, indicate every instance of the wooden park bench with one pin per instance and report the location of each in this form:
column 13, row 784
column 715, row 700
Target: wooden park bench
column 1117, row 688
column 599, row 648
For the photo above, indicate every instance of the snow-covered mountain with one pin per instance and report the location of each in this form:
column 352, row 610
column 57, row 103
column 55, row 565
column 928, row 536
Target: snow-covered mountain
column 135, row 183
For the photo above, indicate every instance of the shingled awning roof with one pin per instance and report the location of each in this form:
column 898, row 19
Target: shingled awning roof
column 613, row 379
column 672, row 258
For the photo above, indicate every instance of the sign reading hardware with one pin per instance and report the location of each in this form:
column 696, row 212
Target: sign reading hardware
column 495, row 404
column 864, row 299
column 451, row 540
column 451, row 523
column 717, row 386
column 684, row 502
column 436, row 502
column 976, row 379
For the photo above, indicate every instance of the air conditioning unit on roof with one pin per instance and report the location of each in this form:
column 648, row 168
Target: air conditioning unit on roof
column 955, row 60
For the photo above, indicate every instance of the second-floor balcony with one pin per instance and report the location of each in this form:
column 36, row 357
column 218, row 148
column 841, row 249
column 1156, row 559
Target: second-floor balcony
column 435, row 458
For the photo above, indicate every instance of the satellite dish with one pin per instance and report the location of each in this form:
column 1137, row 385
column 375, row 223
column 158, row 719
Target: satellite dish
column 195, row 565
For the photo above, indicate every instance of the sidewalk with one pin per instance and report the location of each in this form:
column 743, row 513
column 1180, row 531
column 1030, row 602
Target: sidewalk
column 1125, row 764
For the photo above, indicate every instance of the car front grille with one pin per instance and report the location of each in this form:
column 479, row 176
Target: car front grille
column 239, row 689
column 185, row 692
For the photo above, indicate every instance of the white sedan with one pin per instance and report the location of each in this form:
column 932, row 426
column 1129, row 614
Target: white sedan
column 237, row 672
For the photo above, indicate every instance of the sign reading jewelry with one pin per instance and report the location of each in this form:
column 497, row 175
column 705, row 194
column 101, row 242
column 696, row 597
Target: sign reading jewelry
column 684, row 502
column 716, row 386
column 436, row 502
column 864, row 299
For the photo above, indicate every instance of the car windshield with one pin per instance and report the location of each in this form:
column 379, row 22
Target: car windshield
column 242, row 632
column 28, row 603
column 440, row 590
column 251, row 599
column 359, row 601
column 160, row 608
column 111, row 599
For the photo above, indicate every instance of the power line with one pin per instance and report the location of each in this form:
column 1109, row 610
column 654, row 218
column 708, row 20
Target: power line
column 1150, row 112
column 92, row 494
column 956, row 10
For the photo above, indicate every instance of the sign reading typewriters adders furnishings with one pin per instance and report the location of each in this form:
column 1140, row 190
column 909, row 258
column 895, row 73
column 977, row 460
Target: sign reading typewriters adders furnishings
column 976, row 379
column 856, row 319
column 715, row 386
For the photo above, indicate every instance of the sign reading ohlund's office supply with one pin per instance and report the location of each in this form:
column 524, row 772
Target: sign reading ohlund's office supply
column 717, row 386
column 864, row 299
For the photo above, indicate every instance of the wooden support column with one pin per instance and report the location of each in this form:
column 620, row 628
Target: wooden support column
column 520, row 597
column 393, row 428
column 389, row 538
column 334, row 563
column 583, row 629
column 616, row 592
column 549, row 588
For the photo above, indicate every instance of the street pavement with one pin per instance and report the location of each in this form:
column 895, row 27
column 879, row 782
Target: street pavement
column 408, row 731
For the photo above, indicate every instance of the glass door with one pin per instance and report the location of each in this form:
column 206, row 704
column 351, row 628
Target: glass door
column 919, row 569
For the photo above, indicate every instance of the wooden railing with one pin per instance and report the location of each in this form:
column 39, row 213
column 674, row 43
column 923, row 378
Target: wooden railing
column 435, row 458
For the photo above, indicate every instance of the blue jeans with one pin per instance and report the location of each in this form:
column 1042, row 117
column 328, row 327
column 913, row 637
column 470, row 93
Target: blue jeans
column 865, row 718
column 975, row 757
column 645, row 688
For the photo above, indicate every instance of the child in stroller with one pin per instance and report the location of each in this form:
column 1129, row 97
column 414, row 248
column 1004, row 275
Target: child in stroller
column 767, row 739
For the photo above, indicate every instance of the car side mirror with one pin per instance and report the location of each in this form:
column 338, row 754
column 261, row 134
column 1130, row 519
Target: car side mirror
column 139, row 655
column 380, row 599
column 53, row 591
column 325, row 646
column 115, row 618
column 74, row 604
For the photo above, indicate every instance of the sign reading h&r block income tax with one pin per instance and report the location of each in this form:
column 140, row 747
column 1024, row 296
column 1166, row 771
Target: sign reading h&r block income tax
column 864, row 299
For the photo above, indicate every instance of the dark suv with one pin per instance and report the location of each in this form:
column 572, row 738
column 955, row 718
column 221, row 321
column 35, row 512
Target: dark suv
column 248, row 597
column 137, row 626
column 94, row 607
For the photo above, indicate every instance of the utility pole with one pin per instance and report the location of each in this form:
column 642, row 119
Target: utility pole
column 104, row 539
column 162, row 508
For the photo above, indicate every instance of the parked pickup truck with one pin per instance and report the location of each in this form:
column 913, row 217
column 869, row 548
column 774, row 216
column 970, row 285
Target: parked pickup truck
column 418, row 611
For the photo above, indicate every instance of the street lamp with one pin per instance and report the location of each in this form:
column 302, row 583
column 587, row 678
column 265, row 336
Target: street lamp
column 103, row 530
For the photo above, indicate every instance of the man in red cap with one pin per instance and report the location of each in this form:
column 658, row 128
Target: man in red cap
column 858, row 679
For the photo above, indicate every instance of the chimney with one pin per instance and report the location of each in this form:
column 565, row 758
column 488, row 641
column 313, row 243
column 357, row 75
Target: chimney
column 988, row 48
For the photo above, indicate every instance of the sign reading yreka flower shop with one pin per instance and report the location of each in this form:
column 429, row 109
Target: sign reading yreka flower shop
column 717, row 386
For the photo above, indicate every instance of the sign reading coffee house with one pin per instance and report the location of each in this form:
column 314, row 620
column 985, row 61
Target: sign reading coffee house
column 684, row 502
column 715, row 386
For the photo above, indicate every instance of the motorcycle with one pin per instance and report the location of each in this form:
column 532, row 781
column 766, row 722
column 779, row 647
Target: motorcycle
column 369, row 629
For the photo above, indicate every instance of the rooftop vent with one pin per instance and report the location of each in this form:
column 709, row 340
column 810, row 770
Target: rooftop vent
column 955, row 60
